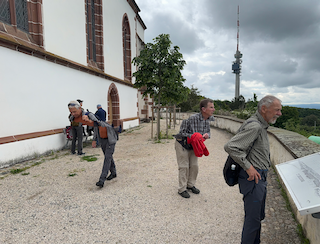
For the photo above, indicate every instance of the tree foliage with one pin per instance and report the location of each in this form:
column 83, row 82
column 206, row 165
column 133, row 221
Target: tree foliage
column 159, row 73
column 192, row 102
column 310, row 120
column 288, row 113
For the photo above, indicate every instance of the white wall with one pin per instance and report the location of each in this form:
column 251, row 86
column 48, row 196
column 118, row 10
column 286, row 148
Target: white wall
column 128, row 102
column 28, row 149
column 34, row 94
column 113, row 12
column 64, row 29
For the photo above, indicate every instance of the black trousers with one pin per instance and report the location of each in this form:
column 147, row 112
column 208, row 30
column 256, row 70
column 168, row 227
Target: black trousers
column 108, row 163
column 254, row 198
column 77, row 136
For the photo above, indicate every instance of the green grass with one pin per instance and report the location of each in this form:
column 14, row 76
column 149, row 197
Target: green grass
column 90, row 158
column 38, row 163
column 17, row 171
column 74, row 172
column 55, row 157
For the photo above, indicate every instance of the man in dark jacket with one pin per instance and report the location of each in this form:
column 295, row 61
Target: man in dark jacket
column 101, row 115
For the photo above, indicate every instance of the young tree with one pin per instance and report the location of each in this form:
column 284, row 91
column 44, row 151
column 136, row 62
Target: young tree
column 159, row 71
column 193, row 99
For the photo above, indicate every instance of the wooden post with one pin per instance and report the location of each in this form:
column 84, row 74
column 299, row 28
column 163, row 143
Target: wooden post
column 152, row 123
column 174, row 117
column 167, row 121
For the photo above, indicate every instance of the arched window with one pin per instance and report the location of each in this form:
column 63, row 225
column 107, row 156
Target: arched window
column 23, row 19
column 126, row 48
column 94, row 28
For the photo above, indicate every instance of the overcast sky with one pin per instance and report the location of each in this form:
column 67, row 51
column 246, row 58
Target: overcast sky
column 279, row 40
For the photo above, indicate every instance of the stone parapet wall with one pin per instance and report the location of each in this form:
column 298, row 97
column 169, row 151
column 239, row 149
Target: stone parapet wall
column 284, row 146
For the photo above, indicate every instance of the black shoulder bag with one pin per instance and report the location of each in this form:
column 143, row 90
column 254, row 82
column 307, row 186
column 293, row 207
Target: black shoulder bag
column 232, row 169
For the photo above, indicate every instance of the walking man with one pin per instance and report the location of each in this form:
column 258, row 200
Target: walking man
column 186, row 158
column 108, row 137
column 250, row 149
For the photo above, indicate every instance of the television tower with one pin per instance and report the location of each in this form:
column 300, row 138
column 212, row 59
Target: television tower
column 236, row 66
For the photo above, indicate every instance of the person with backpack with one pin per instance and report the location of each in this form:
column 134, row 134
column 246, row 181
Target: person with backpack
column 108, row 136
column 250, row 149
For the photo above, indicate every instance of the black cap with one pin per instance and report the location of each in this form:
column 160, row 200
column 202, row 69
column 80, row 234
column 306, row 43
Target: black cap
column 79, row 100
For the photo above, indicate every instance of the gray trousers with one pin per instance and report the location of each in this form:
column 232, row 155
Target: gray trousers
column 108, row 163
column 77, row 135
column 254, row 198
column 188, row 167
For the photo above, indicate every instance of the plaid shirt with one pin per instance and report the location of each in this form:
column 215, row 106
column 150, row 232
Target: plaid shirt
column 250, row 146
column 195, row 123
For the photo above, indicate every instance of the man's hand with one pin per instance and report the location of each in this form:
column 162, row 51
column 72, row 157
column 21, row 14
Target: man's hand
column 253, row 174
column 85, row 118
column 205, row 136
column 94, row 144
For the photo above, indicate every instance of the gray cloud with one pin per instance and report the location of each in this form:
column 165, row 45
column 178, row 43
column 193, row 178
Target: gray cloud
column 279, row 41
column 181, row 34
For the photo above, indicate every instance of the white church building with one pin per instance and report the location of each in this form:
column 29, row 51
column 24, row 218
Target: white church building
column 55, row 51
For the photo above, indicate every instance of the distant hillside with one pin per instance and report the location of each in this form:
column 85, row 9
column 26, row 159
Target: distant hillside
column 314, row 106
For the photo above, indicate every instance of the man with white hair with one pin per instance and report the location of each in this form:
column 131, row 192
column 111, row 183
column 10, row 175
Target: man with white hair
column 250, row 149
column 75, row 118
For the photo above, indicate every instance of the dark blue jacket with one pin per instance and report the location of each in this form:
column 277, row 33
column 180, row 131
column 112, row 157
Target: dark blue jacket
column 101, row 114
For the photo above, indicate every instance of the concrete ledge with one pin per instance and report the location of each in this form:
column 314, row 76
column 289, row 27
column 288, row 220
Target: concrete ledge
column 284, row 146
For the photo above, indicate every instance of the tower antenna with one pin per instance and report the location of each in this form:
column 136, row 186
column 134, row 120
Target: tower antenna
column 236, row 66
column 238, row 29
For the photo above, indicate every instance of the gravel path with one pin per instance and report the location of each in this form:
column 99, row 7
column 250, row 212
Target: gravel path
column 141, row 205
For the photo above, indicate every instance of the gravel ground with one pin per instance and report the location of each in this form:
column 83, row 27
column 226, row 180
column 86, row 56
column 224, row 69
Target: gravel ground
column 141, row 205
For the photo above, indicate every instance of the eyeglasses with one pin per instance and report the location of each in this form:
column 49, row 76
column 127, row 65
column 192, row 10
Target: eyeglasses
column 72, row 104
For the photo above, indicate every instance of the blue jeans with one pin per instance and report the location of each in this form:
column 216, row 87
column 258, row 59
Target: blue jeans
column 254, row 198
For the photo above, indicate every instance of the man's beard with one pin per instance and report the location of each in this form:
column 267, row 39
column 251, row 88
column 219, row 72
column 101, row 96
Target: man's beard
column 273, row 120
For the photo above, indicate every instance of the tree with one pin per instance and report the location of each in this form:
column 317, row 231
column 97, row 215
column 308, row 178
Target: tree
column 159, row 71
column 252, row 104
column 310, row 120
column 193, row 99
column 238, row 103
column 288, row 113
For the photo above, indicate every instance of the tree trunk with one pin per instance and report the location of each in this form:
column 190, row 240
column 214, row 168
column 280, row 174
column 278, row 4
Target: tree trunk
column 158, row 118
